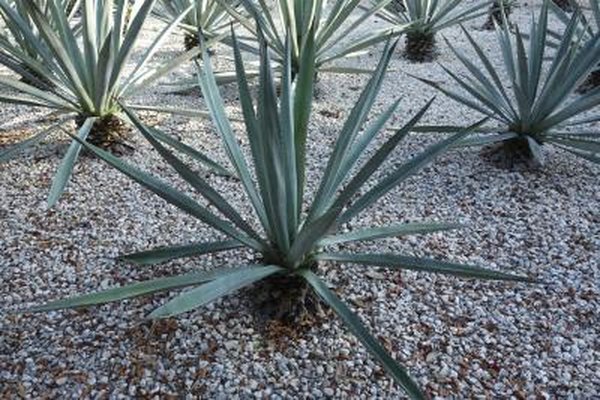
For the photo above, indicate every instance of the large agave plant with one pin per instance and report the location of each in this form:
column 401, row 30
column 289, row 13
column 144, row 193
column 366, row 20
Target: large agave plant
column 541, row 109
column 589, row 27
column 206, row 17
column 84, row 78
column 338, row 24
column 292, row 243
column 425, row 18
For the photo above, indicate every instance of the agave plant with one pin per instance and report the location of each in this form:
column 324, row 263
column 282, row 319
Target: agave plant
column 334, row 21
column 206, row 17
column 13, row 35
column 86, row 77
column 589, row 28
column 540, row 110
column 294, row 242
column 425, row 18
column 499, row 13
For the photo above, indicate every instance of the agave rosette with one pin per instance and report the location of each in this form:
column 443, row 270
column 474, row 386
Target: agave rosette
column 428, row 17
column 541, row 109
column 207, row 17
column 338, row 25
column 87, row 75
column 290, row 243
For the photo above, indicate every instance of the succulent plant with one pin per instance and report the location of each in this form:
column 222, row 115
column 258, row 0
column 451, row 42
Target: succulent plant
column 499, row 13
column 83, row 78
column 541, row 110
column 423, row 19
column 590, row 27
column 207, row 17
column 338, row 25
column 293, row 242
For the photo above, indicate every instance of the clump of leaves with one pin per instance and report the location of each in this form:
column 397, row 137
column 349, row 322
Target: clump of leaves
column 293, row 242
column 206, row 17
column 589, row 27
column 13, row 35
column 541, row 109
column 84, row 77
column 499, row 13
column 338, row 27
column 423, row 19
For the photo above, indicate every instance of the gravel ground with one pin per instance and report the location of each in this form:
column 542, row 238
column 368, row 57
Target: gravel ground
column 460, row 339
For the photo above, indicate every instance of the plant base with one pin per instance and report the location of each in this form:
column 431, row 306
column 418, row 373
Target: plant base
column 396, row 6
column 420, row 48
column 289, row 300
column 592, row 82
column 190, row 42
column 495, row 16
column 510, row 154
column 109, row 133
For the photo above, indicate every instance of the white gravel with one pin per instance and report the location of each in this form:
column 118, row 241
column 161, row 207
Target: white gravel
column 460, row 339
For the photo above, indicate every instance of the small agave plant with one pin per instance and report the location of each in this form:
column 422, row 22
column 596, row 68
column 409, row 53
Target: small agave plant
column 499, row 13
column 423, row 19
column 293, row 243
column 84, row 78
column 541, row 109
column 590, row 28
column 207, row 17
column 334, row 21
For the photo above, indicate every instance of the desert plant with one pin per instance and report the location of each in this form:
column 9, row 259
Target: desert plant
column 14, row 36
column 338, row 29
column 540, row 110
column 425, row 18
column 499, row 13
column 206, row 17
column 86, row 77
column 294, row 242
column 590, row 28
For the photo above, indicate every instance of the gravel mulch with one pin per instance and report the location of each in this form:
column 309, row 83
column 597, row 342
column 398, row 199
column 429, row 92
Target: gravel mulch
column 459, row 338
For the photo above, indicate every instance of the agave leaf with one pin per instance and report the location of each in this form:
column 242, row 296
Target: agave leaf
column 388, row 232
column 358, row 115
column 355, row 325
column 135, row 290
column 403, row 172
column 216, row 107
column 164, row 254
column 194, row 180
column 396, row 261
column 592, row 146
column 595, row 158
column 66, row 166
column 375, row 162
column 12, row 151
column 487, row 139
column 303, row 92
column 195, row 154
column 185, row 112
column 173, row 196
column 214, row 289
